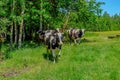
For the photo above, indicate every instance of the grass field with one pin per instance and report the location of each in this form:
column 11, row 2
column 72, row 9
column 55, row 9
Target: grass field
column 96, row 58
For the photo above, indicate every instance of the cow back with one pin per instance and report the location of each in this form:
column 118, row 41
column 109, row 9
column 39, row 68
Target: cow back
column 75, row 33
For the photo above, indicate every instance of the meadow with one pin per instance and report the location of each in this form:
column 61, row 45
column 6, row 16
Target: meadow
column 96, row 58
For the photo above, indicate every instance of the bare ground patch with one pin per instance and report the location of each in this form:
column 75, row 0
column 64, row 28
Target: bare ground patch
column 12, row 72
column 9, row 73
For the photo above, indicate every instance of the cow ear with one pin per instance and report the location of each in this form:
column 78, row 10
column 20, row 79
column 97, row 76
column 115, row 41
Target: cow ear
column 39, row 32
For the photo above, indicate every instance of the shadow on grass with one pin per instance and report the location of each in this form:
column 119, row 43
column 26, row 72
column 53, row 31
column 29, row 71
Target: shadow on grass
column 85, row 40
column 49, row 57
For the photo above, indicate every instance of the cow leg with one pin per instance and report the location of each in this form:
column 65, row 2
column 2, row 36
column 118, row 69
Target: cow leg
column 47, row 52
column 70, row 40
column 53, row 54
column 59, row 52
column 79, row 40
column 75, row 41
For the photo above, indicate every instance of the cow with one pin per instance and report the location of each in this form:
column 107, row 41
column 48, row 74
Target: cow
column 75, row 34
column 45, row 33
column 53, row 42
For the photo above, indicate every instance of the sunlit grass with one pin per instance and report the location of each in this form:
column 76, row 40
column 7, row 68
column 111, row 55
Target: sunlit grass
column 98, row 59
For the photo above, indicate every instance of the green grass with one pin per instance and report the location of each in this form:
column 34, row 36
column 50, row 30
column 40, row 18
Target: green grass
column 98, row 59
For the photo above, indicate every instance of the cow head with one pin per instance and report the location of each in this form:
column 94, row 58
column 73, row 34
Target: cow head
column 59, row 38
column 41, row 34
column 81, row 32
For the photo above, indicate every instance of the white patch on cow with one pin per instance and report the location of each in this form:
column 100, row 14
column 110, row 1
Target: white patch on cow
column 51, row 38
column 69, row 31
column 47, row 34
column 58, row 29
column 77, row 30
column 73, row 32
column 60, row 38
column 53, row 54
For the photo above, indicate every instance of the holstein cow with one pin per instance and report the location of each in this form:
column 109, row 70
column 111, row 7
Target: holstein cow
column 45, row 33
column 75, row 34
column 53, row 42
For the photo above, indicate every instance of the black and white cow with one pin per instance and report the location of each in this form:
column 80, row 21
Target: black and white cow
column 53, row 42
column 45, row 33
column 75, row 34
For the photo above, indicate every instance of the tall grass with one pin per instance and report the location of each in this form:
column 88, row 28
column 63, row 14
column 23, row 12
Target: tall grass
column 96, row 59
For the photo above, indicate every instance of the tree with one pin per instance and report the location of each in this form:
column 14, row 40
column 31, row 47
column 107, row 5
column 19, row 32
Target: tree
column 107, row 21
column 22, row 19
column 22, row 2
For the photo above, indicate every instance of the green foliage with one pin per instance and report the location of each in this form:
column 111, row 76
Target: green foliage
column 84, row 14
column 51, row 14
column 3, row 23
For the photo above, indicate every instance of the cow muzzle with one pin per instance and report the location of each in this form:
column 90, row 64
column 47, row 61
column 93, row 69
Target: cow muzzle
column 60, row 43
